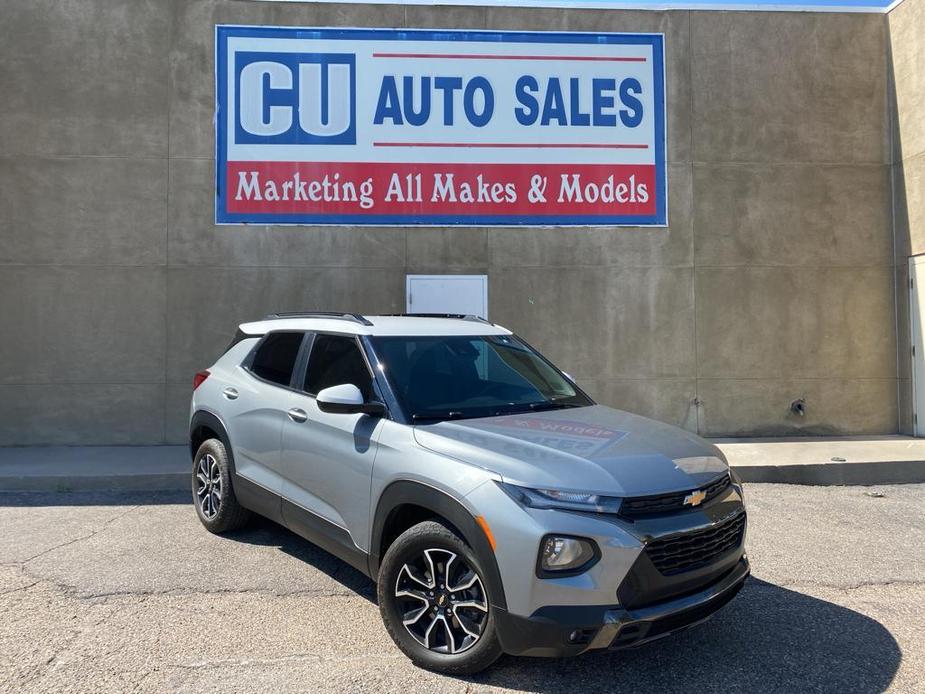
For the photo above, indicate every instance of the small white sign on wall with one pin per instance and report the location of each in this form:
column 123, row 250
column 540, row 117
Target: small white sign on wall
column 455, row 294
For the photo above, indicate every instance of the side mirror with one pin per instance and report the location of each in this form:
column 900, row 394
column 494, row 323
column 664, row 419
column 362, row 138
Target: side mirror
column 347, row 399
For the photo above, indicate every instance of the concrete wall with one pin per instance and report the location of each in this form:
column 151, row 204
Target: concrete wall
column 774, row 280
column 907, row 70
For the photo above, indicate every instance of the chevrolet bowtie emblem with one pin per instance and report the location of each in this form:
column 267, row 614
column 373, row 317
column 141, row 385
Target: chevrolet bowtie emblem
column 695, row 498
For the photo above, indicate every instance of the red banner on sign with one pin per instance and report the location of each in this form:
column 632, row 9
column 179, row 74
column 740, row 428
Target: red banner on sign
column 354, row 188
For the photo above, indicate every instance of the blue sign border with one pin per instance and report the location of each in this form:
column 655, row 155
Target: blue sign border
column 224, row 31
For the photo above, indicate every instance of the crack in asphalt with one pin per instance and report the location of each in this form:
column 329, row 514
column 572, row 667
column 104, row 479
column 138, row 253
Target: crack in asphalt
column 834, row 586
column 72, row 541
column 295, row 657
column 104, row 597
column 33, row 673
column 74, row 592
column 19, row 588
column 880, row 584
column 320, row 593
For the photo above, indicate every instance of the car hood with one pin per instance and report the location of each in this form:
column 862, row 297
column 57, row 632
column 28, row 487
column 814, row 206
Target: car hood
column 595, row 448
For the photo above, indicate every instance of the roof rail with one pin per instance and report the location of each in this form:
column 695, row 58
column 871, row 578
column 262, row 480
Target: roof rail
column 458, row 316
column 336, row 315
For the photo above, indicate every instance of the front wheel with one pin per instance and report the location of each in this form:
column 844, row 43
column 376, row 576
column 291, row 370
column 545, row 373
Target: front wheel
column 434, row 601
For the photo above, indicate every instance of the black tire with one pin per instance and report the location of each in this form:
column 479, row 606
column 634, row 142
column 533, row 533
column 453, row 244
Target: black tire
column 440, row 541
column 227, row 514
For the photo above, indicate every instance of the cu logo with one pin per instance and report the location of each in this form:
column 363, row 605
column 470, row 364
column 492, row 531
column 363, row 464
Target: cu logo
column 295, row 98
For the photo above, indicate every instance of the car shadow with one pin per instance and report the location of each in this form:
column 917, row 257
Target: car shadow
column 768, row 639
column 265, row 533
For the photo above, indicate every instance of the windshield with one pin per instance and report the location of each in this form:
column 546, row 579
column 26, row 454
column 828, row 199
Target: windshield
column 458, row 377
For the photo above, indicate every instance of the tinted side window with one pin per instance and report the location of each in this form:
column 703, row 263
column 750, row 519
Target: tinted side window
column 336, row 360
column 276, row 357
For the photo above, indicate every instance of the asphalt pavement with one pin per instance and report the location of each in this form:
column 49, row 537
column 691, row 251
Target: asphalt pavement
column 126, row 592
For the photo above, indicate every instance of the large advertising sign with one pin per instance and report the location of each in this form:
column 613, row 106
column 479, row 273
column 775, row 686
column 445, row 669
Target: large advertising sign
column 376, row 126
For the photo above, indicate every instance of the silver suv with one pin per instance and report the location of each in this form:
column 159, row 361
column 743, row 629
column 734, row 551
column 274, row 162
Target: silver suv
column 497, row 507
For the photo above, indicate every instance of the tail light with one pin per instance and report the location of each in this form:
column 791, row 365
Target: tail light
column 199, row 378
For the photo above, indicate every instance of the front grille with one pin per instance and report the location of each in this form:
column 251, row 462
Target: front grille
column 675, row 555
column 642, row 506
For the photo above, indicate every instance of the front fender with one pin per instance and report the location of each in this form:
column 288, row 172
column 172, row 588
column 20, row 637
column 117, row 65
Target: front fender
column 404, row 492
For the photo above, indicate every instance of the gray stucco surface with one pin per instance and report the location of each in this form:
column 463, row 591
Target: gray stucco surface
column 907, row 99
column 774, row 281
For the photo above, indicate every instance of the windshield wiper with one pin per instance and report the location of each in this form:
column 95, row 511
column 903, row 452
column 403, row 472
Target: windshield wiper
column 534, row 407
column 453, row 414
column 551, row 405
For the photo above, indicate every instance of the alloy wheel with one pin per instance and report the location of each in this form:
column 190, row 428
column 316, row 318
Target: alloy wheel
column 209, row 486
column 442, row 601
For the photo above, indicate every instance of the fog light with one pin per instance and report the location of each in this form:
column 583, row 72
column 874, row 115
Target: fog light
column 560, row 555
column 581, row 636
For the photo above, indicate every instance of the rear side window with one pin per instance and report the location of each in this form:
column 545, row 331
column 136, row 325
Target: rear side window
column 275, row 357
column 334, row 361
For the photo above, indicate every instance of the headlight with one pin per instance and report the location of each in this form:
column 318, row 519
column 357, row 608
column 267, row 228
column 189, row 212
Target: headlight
column 565, row 556
column 570, row 501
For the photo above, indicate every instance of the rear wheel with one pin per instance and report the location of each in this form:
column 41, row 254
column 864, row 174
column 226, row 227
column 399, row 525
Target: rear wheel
column 213, row 495
column 434, row 602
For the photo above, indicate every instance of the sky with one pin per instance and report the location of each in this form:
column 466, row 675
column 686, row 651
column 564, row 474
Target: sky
column 862, row 4
column 847, row 5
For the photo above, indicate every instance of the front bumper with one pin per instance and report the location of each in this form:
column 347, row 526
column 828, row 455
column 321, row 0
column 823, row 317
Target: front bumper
column 550, row 631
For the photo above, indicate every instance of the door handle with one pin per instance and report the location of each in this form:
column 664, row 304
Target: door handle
column 230, row 393
column 297, row 415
